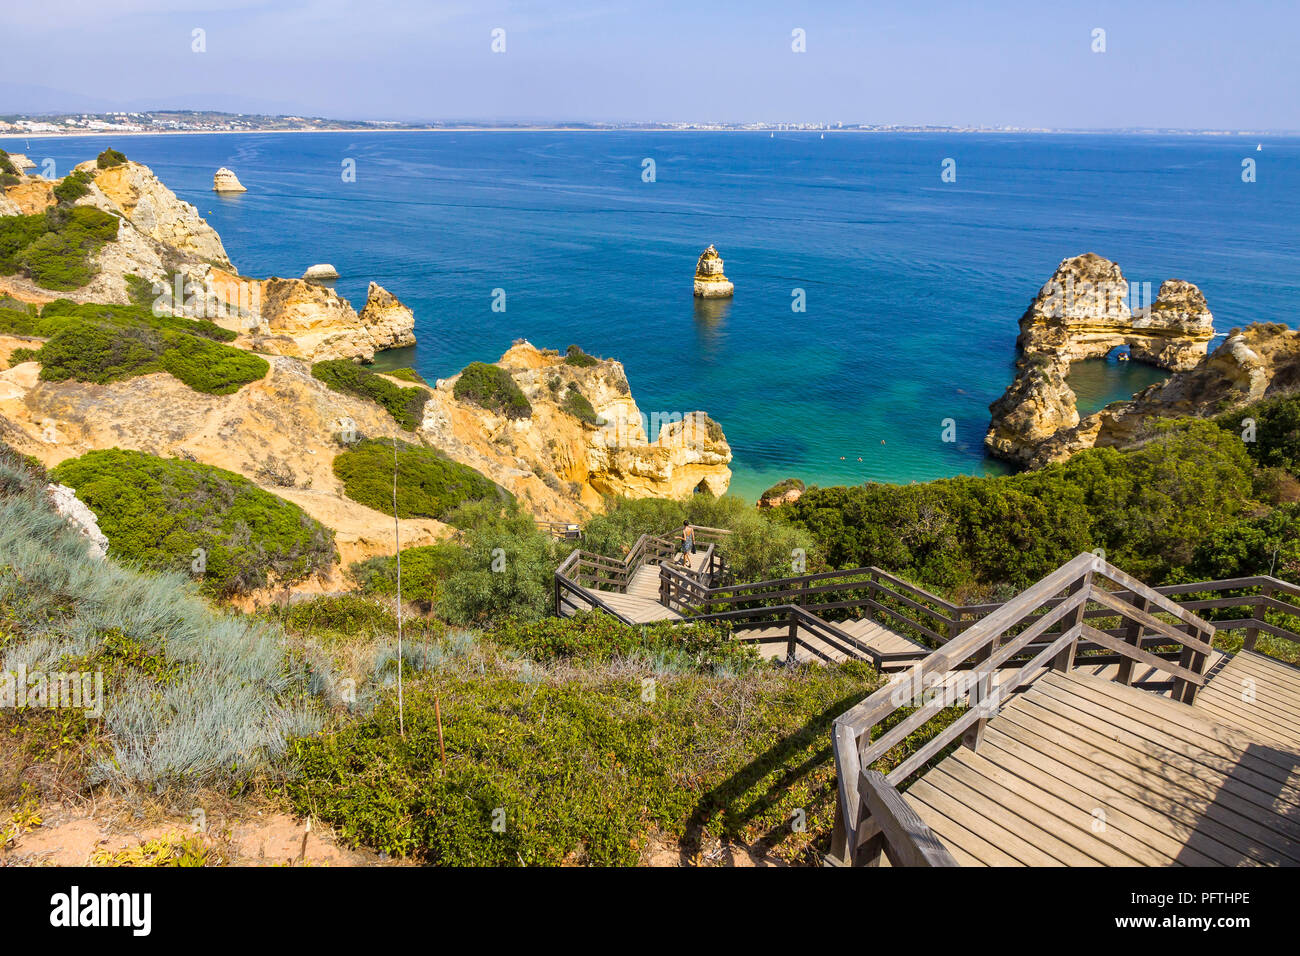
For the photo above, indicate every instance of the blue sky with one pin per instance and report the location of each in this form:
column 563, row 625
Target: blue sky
column 1182, row 64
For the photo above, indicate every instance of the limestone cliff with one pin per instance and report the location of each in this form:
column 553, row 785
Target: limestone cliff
column 1083, row 312
column 309, row 321
column 710, row 283
column 578, row 462
column 140, row 197
column 1261, row 361
column 279, row 432
column 162, row 237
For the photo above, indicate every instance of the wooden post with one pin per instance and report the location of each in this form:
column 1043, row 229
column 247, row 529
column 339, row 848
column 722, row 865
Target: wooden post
column 979, row 693
column 794, row 634
column 1132, row 635
column 1064, row 661
column 1256, row 614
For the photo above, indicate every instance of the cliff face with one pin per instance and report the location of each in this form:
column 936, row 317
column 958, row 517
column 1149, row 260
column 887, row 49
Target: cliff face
column 576, row 462
column 1083, row 312
column 140, row 197
column 309, row 321
column 1261, row 361
column 161, row 236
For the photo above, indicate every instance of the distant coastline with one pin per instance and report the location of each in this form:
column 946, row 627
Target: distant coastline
column 192, row 122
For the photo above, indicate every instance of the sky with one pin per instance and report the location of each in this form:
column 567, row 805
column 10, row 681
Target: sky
column 1189, row 64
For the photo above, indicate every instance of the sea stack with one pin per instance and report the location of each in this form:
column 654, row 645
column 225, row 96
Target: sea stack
column 710, row 283
column 321, row 272
column 225, row 181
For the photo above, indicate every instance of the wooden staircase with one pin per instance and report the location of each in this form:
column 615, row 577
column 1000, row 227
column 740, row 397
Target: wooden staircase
column 1036, row 756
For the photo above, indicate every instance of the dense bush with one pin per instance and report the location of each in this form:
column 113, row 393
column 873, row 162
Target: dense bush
column 507, row 569
column 577, row 405
column 107, row 343
column 405, row 374
column 1148, row 509
column 6, row 164
column 424, row 569
column 55, row 248
column 429, row 484
column 1264, row 544
column 109, row 157
column 1277, row 431
column 582, row 766
column 576, row 357
column 406, row 405
column 491, row 387
column 595, row 637
column 73, row 186
column 157, row 511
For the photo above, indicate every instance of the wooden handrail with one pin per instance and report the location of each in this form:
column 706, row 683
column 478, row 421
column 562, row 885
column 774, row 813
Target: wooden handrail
column 987, row 648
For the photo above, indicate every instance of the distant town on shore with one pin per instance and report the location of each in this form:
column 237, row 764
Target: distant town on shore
column 206, row 121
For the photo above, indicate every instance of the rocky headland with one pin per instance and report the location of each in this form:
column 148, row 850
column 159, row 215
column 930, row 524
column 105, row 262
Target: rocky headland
column 1083, row 312
column 582, row 438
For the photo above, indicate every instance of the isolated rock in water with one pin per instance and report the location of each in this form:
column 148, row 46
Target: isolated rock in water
column 322, row 272
column 1083, row 312
column 225, row 181
column 710, row 283
column 390, row 324
column 74, row 511
column 785, row 492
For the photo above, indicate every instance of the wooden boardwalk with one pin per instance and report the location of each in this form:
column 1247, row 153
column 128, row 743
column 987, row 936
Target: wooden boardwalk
column 639, row 603
column 1079, row 771
column 774, row 641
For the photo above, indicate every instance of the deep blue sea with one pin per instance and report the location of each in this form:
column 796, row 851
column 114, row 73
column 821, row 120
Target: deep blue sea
column 913, row 286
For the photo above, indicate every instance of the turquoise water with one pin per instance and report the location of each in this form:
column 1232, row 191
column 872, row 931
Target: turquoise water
column 913, row 286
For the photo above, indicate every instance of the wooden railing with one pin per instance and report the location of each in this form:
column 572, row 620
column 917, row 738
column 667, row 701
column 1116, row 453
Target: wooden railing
column 583, row 572
column 835, row 596
column 978, row 674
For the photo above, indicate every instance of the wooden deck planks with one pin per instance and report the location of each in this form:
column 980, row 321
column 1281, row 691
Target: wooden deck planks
column 1259, row 694
column 1082, row 771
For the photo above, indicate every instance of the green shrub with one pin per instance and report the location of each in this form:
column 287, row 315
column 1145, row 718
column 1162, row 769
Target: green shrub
column 6, row 164
column 109, row 157
column 1148, row 509
column 576, row 404
column 595, row 637
column 492, row 387
column 406, row 405
column 424, row 569
column 1276, row 440
column 405, row 374
column 106, row 343
column 55, row 248
column 348, row 613
column 157, row 511
column 584, row 769
column 9, row 179
column 429, row 484
column 507, row 570
column 576, row 357
column 73, row 186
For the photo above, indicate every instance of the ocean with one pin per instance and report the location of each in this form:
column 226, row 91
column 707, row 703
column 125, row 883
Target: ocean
column 912, row 286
